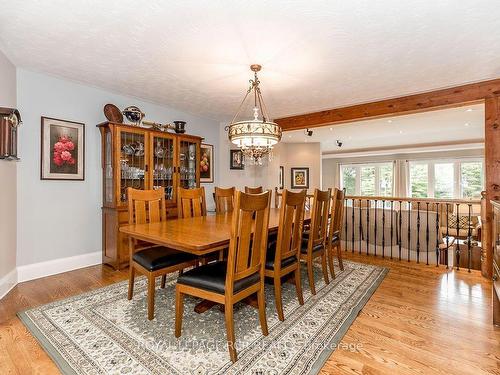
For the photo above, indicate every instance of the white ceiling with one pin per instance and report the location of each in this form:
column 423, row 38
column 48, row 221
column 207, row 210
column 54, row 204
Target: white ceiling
column 462, row 124
column 194, row 55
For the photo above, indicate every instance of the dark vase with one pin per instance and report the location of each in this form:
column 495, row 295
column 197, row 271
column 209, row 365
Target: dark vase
column 180, row 126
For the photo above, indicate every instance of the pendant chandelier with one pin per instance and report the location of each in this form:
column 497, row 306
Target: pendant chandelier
column 255, row 137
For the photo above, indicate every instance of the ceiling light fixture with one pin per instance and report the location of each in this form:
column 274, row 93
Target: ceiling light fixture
column 255, row 137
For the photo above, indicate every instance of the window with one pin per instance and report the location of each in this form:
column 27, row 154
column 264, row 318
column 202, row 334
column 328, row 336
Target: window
column 419, row 180
column 471, row 179
column 446, row 179
column 368, row 179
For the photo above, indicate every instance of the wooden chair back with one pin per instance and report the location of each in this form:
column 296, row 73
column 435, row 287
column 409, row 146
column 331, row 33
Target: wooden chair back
column 146, row 206
column 291, row 222
column 248, row 244
column 254, row 190
column 319, row 218
column 191, row 202
column 336, row 213
column 224, row 199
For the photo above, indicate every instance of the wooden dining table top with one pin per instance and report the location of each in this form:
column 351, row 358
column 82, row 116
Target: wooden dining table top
column 196, row 235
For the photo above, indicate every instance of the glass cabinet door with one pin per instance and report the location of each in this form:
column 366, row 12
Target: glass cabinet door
column 108, row 168
column 162, row 153
column 133, row 167
column 188, row 163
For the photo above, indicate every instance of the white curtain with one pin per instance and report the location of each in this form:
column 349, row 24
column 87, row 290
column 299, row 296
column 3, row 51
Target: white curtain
column 401, row 180
column 336, row 178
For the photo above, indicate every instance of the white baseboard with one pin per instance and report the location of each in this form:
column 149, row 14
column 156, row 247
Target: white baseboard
column 8, row 282
column 52, row 267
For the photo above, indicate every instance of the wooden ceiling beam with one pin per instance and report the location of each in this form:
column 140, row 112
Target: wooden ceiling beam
column 444, row 98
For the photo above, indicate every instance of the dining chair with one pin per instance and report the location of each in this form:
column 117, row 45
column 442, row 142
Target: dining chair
column 335, row 229
column 148, row 206
column 242, row 275
column 224, row 199
column 254, row 190
column 314, row 241
column 284, row 257
column 191, row 202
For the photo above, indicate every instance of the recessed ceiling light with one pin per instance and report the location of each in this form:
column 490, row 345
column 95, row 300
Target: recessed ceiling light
column 469, row 110
column 389, row 121
column 400, row 132
column 466, row 124
column 331, row 129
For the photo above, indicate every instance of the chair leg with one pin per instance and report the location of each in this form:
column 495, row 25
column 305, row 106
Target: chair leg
column 325, row 268
column 277, row 297
column 298, row 285
column 179, row 311
column 163, row 280
column 228, row 312
column 151, row 297
column 310, row 275
column 131, row 282
column 339, row 256
column 261, row 300
column 330, row 261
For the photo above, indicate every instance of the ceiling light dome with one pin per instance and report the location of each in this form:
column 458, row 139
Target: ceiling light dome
column 255, row 137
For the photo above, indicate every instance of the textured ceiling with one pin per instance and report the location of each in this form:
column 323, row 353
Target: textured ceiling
column 447, row 125
column 194, row 55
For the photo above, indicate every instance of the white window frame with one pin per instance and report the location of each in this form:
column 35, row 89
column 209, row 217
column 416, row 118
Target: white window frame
column 457, row 174
column 358, row 167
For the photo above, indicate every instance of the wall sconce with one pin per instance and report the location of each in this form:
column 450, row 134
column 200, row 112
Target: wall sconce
column 10, row 119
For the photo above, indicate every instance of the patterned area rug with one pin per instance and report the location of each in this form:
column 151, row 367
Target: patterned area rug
column 101, row 332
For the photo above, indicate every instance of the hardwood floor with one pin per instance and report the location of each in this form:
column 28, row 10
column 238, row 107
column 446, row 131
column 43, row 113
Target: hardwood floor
column 421, row 320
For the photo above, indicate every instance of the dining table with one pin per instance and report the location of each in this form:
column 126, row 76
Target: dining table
column 200, row 235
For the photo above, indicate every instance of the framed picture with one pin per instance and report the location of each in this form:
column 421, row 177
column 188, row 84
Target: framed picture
column 62, row 150
column 236, row 159
column 281, row 181
column 206, row 163
column 300, row 178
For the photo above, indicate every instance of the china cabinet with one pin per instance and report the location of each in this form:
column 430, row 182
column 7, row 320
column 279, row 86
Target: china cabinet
column 141, row 158
column 496, row 262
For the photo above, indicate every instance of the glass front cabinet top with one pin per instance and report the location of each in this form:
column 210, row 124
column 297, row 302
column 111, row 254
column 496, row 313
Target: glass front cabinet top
column 145, row 159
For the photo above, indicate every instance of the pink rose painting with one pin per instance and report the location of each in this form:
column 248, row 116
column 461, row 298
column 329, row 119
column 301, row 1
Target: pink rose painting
column 62, row 149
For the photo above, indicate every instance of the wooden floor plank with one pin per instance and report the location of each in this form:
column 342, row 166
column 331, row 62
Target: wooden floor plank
column 421, row 320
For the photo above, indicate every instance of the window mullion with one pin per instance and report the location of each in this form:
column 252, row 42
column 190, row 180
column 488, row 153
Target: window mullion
column 430, row 180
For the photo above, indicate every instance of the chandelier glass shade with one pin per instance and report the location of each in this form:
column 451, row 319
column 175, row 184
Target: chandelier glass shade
column 255, row 137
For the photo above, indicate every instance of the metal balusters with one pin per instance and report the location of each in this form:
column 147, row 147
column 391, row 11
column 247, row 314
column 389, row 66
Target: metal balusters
column 447, row 234
column 352, row 237
column 457, row 247
column 383, row 228
column 418, row 232
column 368, row 227
column 427, row 234
column 360, row 227
column 469, row 238
column 375, row 234
column 400, row 225
column 409, row 232
column 392, row 214
column 437, row 234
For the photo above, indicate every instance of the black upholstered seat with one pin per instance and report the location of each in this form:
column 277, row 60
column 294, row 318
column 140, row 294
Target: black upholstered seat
column 305, row 242
column 161, row 257
column 271, row 253
column 212, row 277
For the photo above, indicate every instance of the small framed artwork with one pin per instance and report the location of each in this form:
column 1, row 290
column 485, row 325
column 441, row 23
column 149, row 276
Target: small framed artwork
column 206, row 163
column 282, row 175
column 300, row 178
column 62, row 150
column 236, row 159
